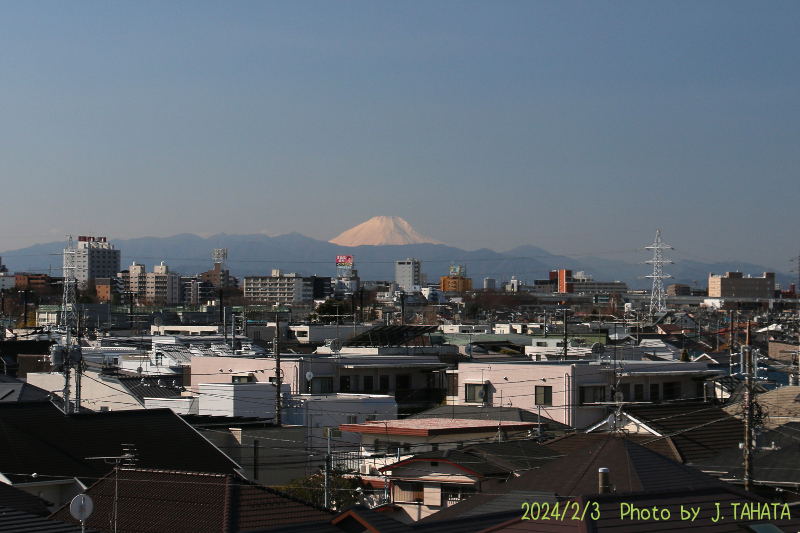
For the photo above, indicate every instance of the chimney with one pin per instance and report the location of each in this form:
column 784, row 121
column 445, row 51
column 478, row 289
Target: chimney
column 604, row 485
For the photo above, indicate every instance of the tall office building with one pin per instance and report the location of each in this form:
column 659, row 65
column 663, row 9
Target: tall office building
column 408, row 273
column 95, row 257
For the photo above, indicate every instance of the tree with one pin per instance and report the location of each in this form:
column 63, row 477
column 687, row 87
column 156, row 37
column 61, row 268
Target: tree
column 343, row 489
column 328, row 310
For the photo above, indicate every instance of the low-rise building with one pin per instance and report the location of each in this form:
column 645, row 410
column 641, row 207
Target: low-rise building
column 736, row 285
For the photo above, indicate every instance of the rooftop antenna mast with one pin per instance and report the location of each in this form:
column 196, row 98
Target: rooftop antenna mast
column 658, row 298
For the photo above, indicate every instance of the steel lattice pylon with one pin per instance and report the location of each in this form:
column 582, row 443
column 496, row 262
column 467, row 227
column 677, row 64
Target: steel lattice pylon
column 69, row 318
column 658, row 298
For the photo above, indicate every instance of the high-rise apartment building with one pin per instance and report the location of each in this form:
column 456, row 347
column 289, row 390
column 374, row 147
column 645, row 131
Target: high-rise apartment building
column 95, row 257
column 408, row 274
column 159, row 286
column 289, row 289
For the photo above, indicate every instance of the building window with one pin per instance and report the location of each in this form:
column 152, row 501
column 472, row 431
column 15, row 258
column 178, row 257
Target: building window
column 541, row 343
column 369, row 383
column 638, row 392
column 344, row 384
column 592, row 394
column 402, row 381
column 654, row 392
column 383, row 383
column 407, row 491
column 625, row 389
column 544, row 395
column 352, row 419
column 672, row 390
column 322, row 385
column 475, row 392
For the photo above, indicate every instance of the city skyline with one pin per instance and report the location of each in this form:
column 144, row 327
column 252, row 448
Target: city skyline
column 578, row 128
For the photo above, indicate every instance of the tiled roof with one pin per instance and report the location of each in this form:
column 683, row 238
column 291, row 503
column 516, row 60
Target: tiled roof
column 178, row 352
column 14, row 521
column 632, row 468
column 696, row 430
column 781, row 404
column 177, row 502
column 516, row 455
column 434, row 426
column 20, row 500
column 770, row 467
column 59, row 445
column 577, row 441
column 14, row 390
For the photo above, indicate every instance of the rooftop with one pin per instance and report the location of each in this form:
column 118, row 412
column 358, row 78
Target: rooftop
column 434, row 426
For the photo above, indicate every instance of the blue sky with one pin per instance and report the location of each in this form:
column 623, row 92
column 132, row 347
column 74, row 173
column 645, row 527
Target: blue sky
column 579, row 127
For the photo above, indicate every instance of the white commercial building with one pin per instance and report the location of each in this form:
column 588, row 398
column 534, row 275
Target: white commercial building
column 95, row 257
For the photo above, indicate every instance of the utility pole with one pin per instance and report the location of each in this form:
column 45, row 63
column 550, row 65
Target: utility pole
column 748, row 418
column 327, row 471
column 564, row 309
column 276, row 347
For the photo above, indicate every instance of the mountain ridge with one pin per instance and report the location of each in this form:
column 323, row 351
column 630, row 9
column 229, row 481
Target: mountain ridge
column 257, row 254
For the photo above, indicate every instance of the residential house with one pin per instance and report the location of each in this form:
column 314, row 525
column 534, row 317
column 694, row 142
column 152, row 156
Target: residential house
column 159, row 501
column 59, row 455
column 576, row 393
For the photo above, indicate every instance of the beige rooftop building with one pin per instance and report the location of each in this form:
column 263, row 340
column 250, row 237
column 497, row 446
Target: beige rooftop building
column 735, row 285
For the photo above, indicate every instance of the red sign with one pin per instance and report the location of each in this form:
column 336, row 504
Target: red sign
column 344, row 260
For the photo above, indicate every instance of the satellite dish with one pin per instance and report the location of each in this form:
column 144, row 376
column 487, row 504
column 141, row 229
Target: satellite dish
column 619, row 397
column 309, row 376
column 481, row 394
column 598, row 347
column 335, row 345
column 158, row 321
column 139, row 369
column 81, row 507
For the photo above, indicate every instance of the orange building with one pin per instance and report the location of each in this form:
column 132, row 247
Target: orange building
column 455, row 284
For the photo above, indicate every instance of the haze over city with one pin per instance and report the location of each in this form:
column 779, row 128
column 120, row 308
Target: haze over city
column 580, row 128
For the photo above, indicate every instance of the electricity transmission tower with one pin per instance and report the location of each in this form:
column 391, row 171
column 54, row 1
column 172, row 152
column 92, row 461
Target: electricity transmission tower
column 658, row 298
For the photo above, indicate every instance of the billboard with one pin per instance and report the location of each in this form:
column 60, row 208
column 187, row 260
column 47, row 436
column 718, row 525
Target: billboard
column 344, row 260
column 458, row 270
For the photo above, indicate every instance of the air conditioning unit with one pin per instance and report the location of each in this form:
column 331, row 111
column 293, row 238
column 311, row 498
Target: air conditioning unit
column 365, row 469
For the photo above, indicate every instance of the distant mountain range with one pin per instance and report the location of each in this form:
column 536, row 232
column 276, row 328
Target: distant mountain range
column 259, row 254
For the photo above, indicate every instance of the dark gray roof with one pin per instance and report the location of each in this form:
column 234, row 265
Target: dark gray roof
column 632, row 468
column 14, row 390
column 513, row 502
column 770, row 467
column 153, row 387
column 176, row 502
column 59, row 445
column 20, row 500
column 389, row 336
column 515, row 455
column 14, row 521
column 697, row 430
